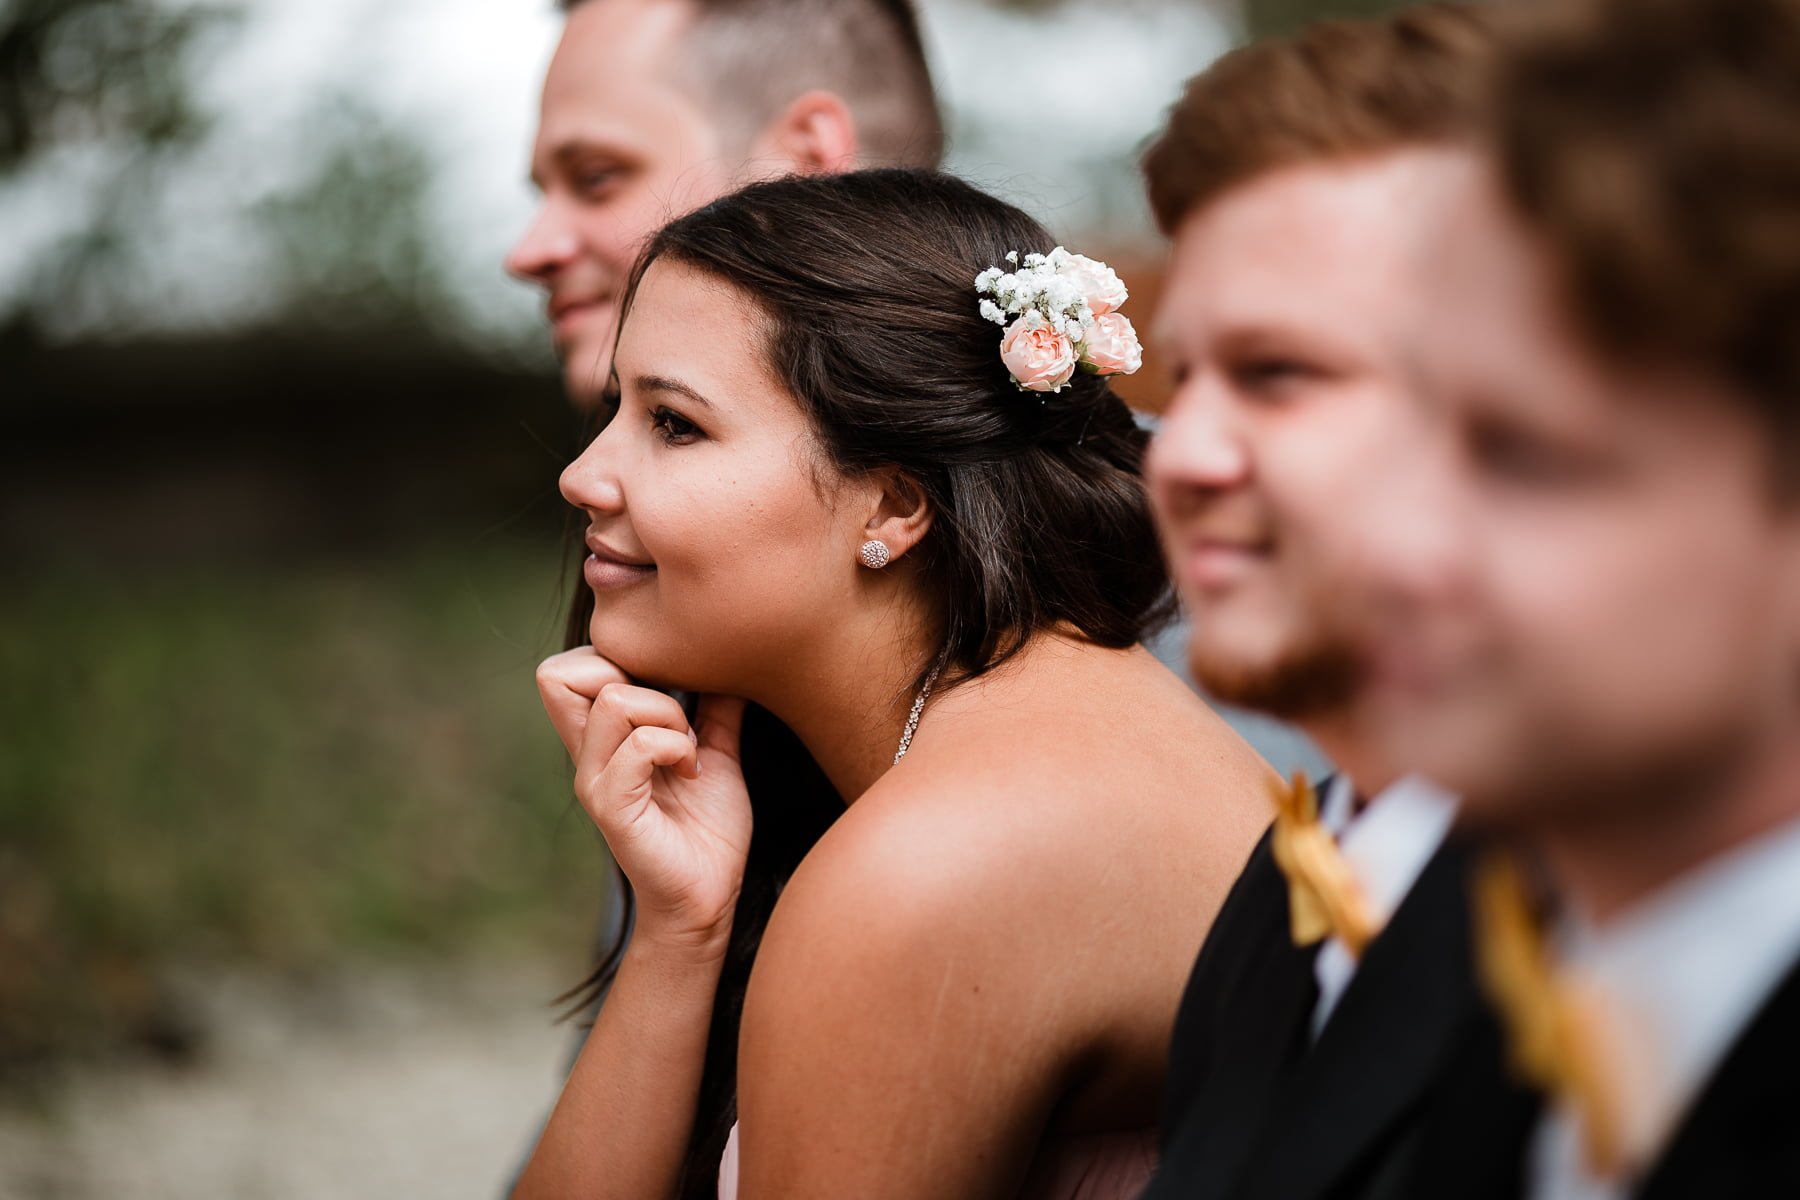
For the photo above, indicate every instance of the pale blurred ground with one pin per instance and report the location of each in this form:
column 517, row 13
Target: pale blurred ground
column 390, row 1083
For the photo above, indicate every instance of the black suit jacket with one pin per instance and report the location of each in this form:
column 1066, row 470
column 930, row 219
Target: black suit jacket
column 1255, row 1111
column 1740, row 1140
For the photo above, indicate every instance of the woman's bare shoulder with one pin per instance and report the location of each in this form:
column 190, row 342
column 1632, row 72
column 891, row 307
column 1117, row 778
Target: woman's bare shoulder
column 1098, row 728
column 1025, row 891
column 1034, row 806
column 908, row 935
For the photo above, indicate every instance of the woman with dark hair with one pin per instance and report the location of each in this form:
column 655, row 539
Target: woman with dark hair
column 919, row 548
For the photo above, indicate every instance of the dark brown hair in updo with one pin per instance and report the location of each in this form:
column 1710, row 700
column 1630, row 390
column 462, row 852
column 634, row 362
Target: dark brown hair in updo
column 866, row 286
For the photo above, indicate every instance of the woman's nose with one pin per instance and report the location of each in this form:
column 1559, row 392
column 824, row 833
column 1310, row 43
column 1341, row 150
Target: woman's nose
column 592, row 480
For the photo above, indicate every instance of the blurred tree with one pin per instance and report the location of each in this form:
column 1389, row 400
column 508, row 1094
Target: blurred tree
column 352, row 247
column 105, row 79
column 87, row 70
column 97, row 98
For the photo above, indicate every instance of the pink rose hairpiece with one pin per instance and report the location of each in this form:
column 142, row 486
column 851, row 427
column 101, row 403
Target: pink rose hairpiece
column 1060, row 312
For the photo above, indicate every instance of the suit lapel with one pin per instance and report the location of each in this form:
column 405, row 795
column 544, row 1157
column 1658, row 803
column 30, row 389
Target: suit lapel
column 1251, row 993
column 1738, row 1140
column 1411, row 1002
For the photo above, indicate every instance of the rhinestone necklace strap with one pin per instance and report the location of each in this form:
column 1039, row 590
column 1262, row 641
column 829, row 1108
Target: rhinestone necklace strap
column 912, row 718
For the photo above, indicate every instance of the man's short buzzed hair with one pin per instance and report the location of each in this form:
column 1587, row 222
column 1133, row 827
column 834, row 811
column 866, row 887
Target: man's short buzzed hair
column 1334, row 90
column 751, row 58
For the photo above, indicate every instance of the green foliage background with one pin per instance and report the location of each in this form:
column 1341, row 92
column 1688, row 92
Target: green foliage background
column 225, row 765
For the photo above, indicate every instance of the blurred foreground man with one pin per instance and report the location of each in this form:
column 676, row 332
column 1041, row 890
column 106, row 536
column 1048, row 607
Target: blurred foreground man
column 652, row 108
column 1335, row 994
column 1595, row 631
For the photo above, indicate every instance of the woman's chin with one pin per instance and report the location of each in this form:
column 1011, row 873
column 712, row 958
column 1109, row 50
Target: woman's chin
column 643, row 663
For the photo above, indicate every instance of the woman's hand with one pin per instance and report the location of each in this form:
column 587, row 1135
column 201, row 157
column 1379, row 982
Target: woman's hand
column 670, row 802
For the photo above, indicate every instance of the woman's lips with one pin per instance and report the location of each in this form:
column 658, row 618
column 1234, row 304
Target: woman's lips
column 603, row 573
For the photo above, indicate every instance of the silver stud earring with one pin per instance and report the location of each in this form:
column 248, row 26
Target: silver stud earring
column 874, row 554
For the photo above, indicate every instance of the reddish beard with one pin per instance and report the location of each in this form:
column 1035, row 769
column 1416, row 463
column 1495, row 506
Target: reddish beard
column 1321, row 676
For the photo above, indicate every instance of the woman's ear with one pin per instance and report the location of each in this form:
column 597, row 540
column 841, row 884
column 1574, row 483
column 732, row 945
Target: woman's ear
column 814, row 134
column 901, row 514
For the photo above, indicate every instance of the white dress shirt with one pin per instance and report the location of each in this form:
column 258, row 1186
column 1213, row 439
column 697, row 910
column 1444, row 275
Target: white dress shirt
column 1681, row 974
column 1387, row 846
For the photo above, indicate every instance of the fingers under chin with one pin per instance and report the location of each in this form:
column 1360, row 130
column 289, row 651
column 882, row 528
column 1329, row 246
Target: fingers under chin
column 621, row 708
column 652, row 746
column 581, row 670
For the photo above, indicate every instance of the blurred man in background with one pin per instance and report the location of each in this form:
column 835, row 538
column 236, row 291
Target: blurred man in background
column 1593, row 631
column 652, row 108
column 1294, row 176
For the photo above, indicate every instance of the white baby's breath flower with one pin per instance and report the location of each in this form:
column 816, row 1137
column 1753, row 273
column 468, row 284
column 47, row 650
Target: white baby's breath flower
column 1059, row 295
column 992, row 312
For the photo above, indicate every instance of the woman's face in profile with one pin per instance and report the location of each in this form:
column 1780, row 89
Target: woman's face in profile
column 720, row 543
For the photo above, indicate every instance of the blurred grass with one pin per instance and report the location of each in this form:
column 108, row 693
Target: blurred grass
column 293, row 765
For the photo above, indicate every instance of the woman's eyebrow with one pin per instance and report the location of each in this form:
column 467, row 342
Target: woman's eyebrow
column 662, row 383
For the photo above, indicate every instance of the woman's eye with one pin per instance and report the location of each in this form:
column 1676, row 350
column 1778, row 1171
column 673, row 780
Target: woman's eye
column 672, row 427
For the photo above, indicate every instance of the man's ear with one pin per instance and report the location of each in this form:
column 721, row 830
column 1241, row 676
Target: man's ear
column 814, row 134
column 901, row 514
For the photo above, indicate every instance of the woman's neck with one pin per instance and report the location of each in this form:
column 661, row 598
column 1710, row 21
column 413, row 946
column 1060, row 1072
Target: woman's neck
column 848, row 697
